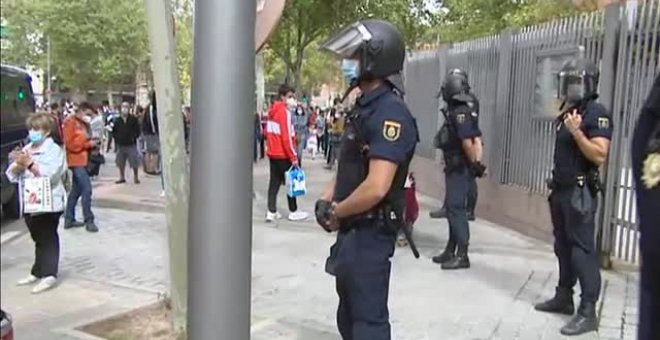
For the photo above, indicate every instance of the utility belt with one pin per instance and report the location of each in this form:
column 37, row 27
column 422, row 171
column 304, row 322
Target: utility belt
column 591, row 179
column 387, row 219
column 384, row 217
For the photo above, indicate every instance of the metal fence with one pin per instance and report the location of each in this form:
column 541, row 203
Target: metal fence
column 512, row 73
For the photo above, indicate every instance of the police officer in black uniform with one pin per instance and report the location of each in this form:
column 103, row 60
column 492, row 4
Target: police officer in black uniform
column 364, row 201
column 473, row 191
column 646, row 162
column 584, row 130
column 460, row 141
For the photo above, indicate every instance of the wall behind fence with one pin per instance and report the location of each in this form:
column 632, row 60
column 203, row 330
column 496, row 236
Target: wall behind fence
column 512, row 74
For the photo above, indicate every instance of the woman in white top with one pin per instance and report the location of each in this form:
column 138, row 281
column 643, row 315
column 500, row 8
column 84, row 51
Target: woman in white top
column 42, row 157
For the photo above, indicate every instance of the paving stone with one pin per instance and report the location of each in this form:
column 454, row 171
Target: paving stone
column 124, row 265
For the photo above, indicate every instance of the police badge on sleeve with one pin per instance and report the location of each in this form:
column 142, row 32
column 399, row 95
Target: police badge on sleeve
column 391, row 130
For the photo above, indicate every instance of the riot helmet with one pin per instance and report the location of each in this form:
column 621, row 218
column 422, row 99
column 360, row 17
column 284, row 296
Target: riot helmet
column 455, row 83
column 370, row 49
column 577, row 81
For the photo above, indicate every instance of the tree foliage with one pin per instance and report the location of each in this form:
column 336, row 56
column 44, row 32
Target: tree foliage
column 92, row 41
column 308, row 21
column 183, row 12
column 467, row 19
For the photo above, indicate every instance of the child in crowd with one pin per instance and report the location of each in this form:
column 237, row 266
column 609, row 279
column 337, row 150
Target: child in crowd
column 312, row 140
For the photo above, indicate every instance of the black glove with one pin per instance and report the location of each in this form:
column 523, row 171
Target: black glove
column 322, row 210
column 478, row 169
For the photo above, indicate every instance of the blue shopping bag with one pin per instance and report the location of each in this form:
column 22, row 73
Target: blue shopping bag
column 297, row 185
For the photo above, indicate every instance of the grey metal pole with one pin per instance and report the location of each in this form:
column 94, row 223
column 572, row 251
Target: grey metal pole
column 220, row 238
column 170, row 125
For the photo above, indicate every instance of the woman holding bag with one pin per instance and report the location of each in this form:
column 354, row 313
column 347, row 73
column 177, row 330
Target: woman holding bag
column 41, row 158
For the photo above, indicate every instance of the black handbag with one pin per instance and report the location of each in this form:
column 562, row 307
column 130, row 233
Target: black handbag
column 96, row 159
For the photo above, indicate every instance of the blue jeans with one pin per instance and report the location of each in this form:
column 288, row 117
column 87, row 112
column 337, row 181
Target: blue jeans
column 81, row 186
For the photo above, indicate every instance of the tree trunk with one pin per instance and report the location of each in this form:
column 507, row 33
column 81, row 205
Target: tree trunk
column 260, row 82
column 297, row 71
column 110, row 97
column 174, row 163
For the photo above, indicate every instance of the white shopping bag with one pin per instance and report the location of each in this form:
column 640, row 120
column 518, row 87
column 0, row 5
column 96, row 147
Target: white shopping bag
column 37, row 195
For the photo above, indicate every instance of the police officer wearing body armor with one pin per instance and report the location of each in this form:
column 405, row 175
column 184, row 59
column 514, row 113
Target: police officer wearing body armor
column 364, row 201
column 645, row 157
column 584, row 130
column 473, row 192
column 460, row 141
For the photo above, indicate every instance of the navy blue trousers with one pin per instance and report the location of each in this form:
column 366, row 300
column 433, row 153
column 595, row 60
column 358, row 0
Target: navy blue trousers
column 360, row 262
column 648, row 202
column 457, row 183
column 572, row 211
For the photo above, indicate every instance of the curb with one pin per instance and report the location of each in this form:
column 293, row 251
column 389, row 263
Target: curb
column 122, row 204
column 72, row 329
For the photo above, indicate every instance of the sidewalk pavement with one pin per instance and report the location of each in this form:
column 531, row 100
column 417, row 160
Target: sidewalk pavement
column 125, row 266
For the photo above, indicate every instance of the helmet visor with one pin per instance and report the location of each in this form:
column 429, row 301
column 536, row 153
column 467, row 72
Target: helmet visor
column 347, row 42
column 570, row 86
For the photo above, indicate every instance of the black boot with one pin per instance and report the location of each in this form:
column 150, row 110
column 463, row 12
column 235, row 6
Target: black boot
column 583, row 322
column 470, row 215
column 460, row 261
column 447, row 254
column 440, row 213
column 561, row 303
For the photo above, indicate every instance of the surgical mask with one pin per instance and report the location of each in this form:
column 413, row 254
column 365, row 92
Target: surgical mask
column 291, row 102
column 87, row 119
column 351, row 69
column 36, row 137
column 337, row 115
column 299, row 111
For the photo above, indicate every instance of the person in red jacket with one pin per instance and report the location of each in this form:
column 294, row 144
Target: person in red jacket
column 281, row 145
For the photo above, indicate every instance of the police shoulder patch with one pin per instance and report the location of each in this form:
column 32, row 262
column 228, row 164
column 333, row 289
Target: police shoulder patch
column 460, row 118
column 391, row 130
column 603, row 122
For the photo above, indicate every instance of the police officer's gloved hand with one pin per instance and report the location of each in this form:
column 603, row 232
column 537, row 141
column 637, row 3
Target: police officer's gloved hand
column 478, row 169
column 322, row 211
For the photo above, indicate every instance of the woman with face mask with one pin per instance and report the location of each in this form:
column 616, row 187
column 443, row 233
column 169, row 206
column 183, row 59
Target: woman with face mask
column 42, row 157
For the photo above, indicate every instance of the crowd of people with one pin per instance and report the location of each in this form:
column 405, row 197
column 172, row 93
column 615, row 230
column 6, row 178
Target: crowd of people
column 316, row 131
column 67, row 143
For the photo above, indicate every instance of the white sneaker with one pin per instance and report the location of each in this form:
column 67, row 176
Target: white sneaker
column 27, row 281
column 272, row 216
column 162, row 193
column 45, row 284
column 298, row 216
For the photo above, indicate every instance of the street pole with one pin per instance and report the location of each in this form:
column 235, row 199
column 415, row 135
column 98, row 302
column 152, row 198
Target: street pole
column 220, row 242
column 48, row 71
column 174, row 165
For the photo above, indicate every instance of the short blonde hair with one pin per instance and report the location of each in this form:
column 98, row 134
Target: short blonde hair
column 42, row 121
